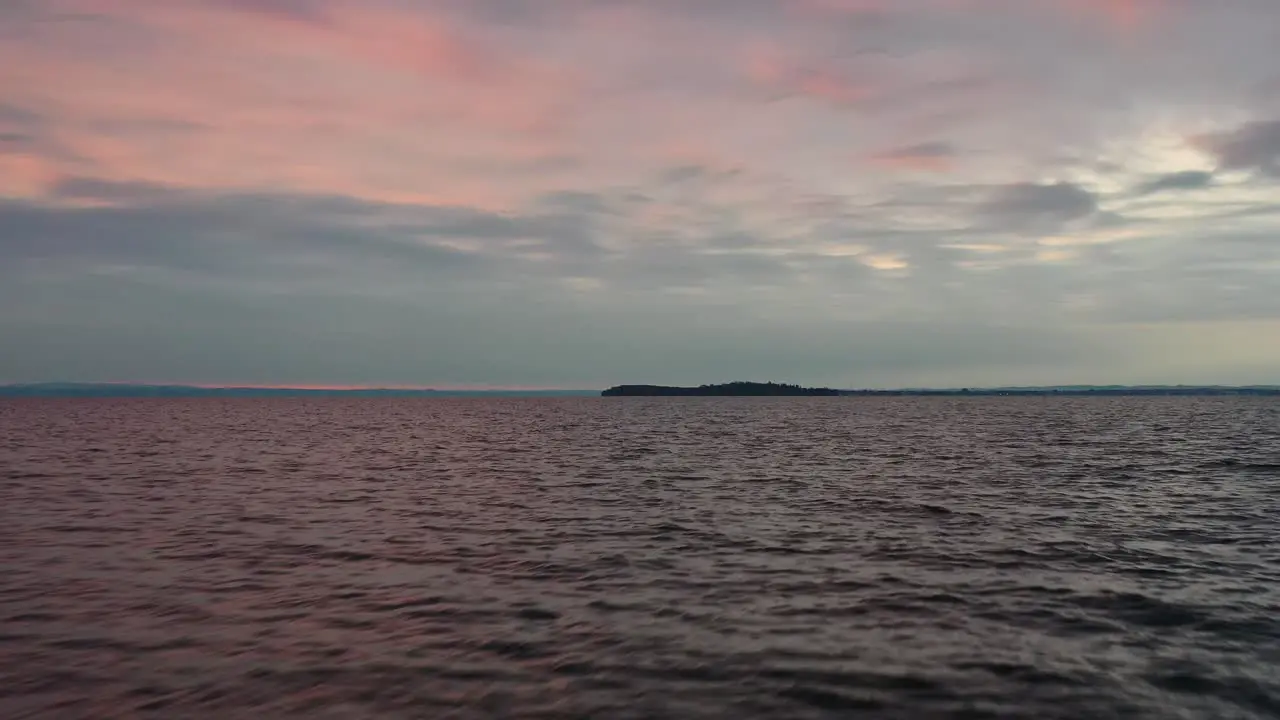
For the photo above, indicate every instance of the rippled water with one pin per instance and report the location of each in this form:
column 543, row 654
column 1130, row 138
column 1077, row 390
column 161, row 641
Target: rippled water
column 640, row 558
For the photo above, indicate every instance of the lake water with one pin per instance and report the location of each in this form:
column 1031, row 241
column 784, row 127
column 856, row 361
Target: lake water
column 640, row 558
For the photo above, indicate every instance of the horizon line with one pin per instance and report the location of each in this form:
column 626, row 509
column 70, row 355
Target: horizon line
column 304, row 386
column 490, row 388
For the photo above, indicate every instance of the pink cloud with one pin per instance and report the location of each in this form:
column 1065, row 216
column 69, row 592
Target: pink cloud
column 422, row 102
column 933, row 157
column 25, row 175
column 361, row 101
column 822, row 8
column 1120, row 15
column 772, row 70
column 490, row 83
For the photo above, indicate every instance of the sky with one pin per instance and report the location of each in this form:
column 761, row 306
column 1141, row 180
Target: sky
column 581, row 193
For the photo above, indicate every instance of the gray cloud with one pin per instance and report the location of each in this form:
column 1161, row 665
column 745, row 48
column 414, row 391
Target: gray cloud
column 921, row 151
column 13, row 116
column 78, row 188
column 15, row 139
column 295, row 10
column 247, row 237
column 1255, row 146
column 1186, row 180
column 176, row 285
column 1028, row 205
column 19, row 128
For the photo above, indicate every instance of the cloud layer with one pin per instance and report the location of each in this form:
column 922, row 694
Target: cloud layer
column 583, row 192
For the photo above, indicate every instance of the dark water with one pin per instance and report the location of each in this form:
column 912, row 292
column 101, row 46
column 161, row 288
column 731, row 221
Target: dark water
column 640, row 558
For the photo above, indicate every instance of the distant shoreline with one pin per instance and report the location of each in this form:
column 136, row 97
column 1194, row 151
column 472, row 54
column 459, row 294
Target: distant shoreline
column 745, row 389
column 174, row 391
column 108, row 390
column 1207, row 391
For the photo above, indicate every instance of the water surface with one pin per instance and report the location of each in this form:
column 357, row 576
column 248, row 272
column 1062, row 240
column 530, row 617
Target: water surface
column 640, row 558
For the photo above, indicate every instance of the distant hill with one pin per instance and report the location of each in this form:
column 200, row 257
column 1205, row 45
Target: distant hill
column 142, row 390
column 732, row 389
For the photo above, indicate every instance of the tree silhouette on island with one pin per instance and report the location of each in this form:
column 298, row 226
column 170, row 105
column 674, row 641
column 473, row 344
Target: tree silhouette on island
column 732, row 389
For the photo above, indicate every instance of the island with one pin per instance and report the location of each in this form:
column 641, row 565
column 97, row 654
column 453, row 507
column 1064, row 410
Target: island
column 732, row 389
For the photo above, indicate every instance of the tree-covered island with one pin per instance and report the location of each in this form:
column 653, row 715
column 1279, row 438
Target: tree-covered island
column 732, row 389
